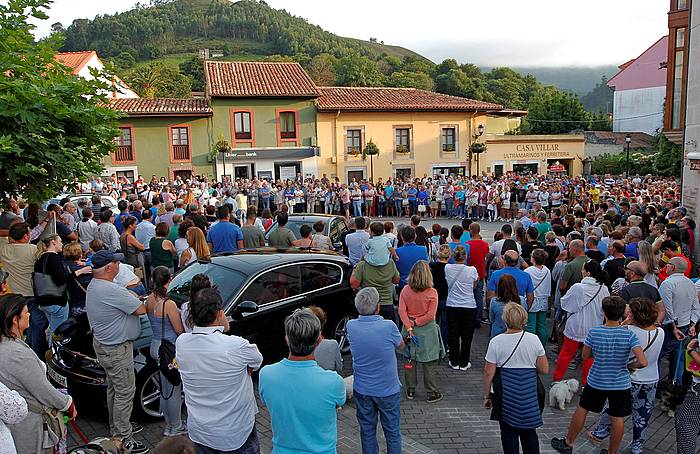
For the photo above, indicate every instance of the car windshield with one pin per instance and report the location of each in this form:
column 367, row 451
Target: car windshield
column 226, row 280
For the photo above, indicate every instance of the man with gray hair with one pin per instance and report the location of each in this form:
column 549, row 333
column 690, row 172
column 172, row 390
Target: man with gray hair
column 682, row 310
column 376, row 386
column 301, row 396
column 634, row 234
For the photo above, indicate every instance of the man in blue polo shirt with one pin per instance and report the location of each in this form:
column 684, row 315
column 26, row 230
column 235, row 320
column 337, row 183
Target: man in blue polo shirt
column 456, row 233
column 409, row 254
column 224, row 236
column 523, row 280
column 376, row 386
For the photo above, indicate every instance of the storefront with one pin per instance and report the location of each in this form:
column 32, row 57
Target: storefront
column 537, row 154
column 283, row 163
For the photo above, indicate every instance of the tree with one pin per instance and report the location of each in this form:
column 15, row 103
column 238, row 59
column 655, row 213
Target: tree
column 355, row 70
column 322, row 69
column 125, row 60
column 54, row 126
column 668, row 157
column 552, row 111
column 194, row 68
column 409, row 79
column 456, row 83
column 158, row 80
column 600, row 99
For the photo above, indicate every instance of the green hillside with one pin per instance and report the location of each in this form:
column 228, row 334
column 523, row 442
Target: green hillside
column 243, row 28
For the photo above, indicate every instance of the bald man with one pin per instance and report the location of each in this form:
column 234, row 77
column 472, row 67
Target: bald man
column 522, row 279
column 572, row 271
column 638, row 288
column 682, row 310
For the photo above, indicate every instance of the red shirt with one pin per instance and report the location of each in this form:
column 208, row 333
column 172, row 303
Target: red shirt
column 663, row 274
column 477, row 256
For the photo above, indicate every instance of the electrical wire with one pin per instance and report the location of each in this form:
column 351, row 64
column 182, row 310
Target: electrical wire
column 604, row 120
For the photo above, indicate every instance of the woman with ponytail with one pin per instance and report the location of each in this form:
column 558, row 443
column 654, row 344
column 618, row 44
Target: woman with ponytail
column 583, row 304
column 86, row 229
column 166, row 325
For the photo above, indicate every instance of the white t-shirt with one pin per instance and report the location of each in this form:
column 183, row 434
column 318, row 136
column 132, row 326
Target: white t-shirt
column 461, row 292
column 649, row 374
column 496, row 247
column 525, row 356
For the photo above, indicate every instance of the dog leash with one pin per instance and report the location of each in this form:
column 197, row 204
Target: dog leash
column 680, row 363
column 78, row 432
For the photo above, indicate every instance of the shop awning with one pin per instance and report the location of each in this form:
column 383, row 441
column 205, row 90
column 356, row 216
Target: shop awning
column 281, row 153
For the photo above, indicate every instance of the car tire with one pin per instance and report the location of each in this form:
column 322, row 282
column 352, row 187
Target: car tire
column 340, row 334
column 147, row 396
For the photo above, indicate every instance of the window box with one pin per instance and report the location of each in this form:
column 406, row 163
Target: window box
column 402, row 149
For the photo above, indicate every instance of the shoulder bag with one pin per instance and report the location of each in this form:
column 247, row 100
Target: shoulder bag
column 166, row 358
column 54, row 429
column 44, row 285
column 561, row 324
column 650, row 342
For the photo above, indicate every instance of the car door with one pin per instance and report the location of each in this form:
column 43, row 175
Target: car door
column 335, row 230
column 276, row 293
column 324, row 285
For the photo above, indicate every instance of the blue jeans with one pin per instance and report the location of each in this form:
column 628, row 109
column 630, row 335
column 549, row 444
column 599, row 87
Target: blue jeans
column 357, row 208
column 380, row 207
column 414, row 206
column 642, row 407
column 441, row 319
column 36, row 334
column 389, row 411
column 670, row 349
column 479, row 298
column 55, row 315
column 449, row 205
column 265, row 202
column 251, row 446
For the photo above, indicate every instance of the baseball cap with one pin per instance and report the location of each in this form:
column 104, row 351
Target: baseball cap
column 103, row 258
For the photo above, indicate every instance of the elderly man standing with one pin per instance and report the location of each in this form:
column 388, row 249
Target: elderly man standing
column 301, row 396
column 522, row 279
column 113, row 313
column 682, row 310
column 377, row 389
column 572, row 271
column 357, row 241
column 634, row 235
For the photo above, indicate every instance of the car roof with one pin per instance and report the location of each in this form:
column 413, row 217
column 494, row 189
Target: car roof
column 313, row 217
column 250, row 261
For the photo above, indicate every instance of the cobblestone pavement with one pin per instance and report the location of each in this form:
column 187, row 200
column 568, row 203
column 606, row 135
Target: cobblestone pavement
column 457, row 424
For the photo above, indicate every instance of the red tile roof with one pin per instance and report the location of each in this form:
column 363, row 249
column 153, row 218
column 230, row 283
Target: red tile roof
column 395, row 99
column 75, row 60
column 140, row 107
column 258, row 79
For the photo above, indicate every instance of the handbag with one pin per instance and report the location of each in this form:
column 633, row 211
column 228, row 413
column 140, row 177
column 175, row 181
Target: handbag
column 43, row 283
column 54, row 429
column 421, row 208
column 166, row 358
column 560, row 324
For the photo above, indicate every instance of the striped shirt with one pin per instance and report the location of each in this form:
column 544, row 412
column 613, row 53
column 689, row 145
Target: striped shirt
column 611, row 348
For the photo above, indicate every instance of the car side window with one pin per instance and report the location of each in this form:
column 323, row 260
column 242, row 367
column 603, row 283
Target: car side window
column 315, row 276
column 108, row 203
column 273, row 285
column 333, row 233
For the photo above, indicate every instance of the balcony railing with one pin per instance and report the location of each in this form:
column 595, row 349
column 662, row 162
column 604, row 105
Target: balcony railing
column 123, row 153
column 181, row 152
column 353, row 151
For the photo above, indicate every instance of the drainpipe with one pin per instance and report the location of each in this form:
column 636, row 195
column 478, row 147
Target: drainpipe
column 335, row 142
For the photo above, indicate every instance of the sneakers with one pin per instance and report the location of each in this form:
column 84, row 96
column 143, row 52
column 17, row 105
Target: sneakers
column 135, row 447
column 453, row 367
column 136, row 427
column 559, row 445
column 169, row 432
column 468, row 366
column 437, row 397
column 593, row 439
column 410, row 394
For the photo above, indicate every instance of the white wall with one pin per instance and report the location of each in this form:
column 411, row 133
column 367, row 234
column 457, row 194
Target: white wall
column 122, row 91
column 691, row 178
column 639, row 110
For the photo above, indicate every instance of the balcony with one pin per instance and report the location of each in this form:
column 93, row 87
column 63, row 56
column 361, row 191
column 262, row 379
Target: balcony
column 181, row 153
column 352, row 152
column 448, row 147
column 123, row 153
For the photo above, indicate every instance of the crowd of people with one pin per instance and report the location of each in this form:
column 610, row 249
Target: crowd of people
column 596, row 271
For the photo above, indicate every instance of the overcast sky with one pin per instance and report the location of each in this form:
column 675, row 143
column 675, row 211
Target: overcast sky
column 505, row 32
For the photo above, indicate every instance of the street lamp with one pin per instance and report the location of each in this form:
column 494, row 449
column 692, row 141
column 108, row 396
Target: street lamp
column 480, row 132
column 628, row 140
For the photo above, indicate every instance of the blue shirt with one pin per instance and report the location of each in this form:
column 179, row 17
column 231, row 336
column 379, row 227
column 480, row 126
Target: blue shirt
column 631, row 250
column 356, row 243
column 224, row 237
column 118, row 222
column 453, row 245
column 466, row 236
column 522, row 280
column 373, row 341
column 412, row 193
column 611, row 348
column 302, row 400
column 498, row 326
column 409, row 254
column 388, row 190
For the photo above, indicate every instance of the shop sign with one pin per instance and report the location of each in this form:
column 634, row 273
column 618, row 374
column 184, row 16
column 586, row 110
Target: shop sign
column 245, row 154
column 536, row 154
column 694, row 164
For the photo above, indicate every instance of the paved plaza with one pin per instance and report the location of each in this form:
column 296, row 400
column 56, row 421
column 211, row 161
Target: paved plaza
column 457, row 424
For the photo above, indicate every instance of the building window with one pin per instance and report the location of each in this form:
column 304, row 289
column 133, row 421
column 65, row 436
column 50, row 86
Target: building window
column 680, row 37
column 682, row 4
column 403, row 140
column 288, row 125
column 242, row 125
column 125, row 148
column 354, row 141
column 180, row 143
column 449, row 139
column 677, row 89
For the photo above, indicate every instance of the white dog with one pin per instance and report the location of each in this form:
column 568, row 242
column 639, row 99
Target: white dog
column 562, row 392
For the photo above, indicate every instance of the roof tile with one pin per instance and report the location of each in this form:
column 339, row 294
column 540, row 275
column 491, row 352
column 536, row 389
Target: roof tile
column 258, row 79
column 75, row 60
column 161, row 106
column 395, row 99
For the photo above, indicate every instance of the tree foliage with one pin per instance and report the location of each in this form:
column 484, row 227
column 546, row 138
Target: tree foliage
column 664, row 160
column 600, row 99
column 194, row 68
column 54, row 128
column 355, row 70
column 668, row 157
column 322, row 69
column 552, row 111
column 158, row 80
column 407, row 79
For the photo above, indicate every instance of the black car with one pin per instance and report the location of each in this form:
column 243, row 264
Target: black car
column 333, row 226
column 259, row 288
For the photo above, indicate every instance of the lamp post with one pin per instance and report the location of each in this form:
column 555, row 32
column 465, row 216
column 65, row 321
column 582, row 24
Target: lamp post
column 628, row 141
column 223, row 159
column 480, row 132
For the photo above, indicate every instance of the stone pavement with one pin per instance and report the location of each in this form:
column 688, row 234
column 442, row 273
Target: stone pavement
column 457, row 424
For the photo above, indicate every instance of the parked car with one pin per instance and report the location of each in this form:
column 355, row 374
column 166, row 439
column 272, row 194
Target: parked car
column 333, row 226
column 107, row 201
column 259, row 288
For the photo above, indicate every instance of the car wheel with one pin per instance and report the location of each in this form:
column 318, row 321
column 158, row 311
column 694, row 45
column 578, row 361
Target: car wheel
column 147, row 397
column 340, row 333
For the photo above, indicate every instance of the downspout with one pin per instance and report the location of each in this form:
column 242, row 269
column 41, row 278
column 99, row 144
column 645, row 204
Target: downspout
column 335, row 143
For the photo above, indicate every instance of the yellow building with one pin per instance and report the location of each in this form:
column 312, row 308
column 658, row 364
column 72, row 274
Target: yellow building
column 417, row 132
